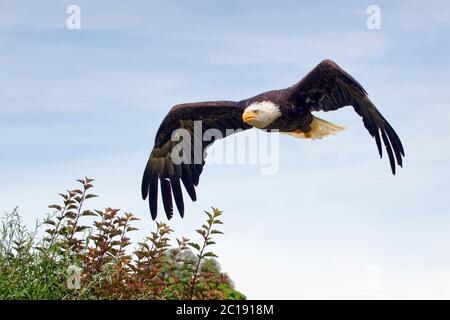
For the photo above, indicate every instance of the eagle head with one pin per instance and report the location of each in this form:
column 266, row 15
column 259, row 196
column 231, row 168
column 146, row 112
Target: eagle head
column 261, row 114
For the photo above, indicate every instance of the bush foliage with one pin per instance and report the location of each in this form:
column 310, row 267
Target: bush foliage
column 86, row 254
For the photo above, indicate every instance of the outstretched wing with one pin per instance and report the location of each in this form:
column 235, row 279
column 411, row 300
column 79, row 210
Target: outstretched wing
column 328, row 87
column 182, row 131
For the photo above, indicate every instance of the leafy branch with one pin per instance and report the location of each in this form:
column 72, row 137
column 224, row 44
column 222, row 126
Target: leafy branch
column 206, row 231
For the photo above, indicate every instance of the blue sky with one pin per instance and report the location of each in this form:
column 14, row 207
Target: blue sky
column 88, row 102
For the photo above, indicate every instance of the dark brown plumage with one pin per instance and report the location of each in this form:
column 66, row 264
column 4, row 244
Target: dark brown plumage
column 326, row 88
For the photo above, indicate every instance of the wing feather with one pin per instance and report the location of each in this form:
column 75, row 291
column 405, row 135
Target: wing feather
column 328, row 87
column 221, row 115
column 166, row 194
column 177, row 194
column 153, row 197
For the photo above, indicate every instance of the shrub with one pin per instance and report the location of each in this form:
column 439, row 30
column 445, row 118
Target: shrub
column 85, row 254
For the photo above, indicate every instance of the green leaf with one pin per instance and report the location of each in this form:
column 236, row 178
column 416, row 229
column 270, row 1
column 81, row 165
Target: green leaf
column 210, row 254
column 209, row 214
column 65, row 197
column 216, row 232
column 89, row 213
column 217, row 212
column 194, row 245
column 201, row 232
column 49, row 221
column 81, row 228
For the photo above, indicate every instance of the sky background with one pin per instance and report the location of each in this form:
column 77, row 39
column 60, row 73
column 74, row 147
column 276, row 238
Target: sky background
column 333, row 223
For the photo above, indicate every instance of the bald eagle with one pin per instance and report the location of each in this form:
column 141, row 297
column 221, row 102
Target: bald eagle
column 326, row 88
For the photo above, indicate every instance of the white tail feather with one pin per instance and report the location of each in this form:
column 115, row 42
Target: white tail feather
column 319, row 128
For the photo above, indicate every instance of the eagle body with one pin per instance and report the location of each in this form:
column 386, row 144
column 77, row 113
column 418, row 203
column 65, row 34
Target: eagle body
column 325, row 88
column 290, row 118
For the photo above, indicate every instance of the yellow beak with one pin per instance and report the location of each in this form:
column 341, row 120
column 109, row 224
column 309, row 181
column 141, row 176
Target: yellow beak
column 248, row 116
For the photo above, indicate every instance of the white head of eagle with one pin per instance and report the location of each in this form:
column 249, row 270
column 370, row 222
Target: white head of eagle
column 260, row 114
